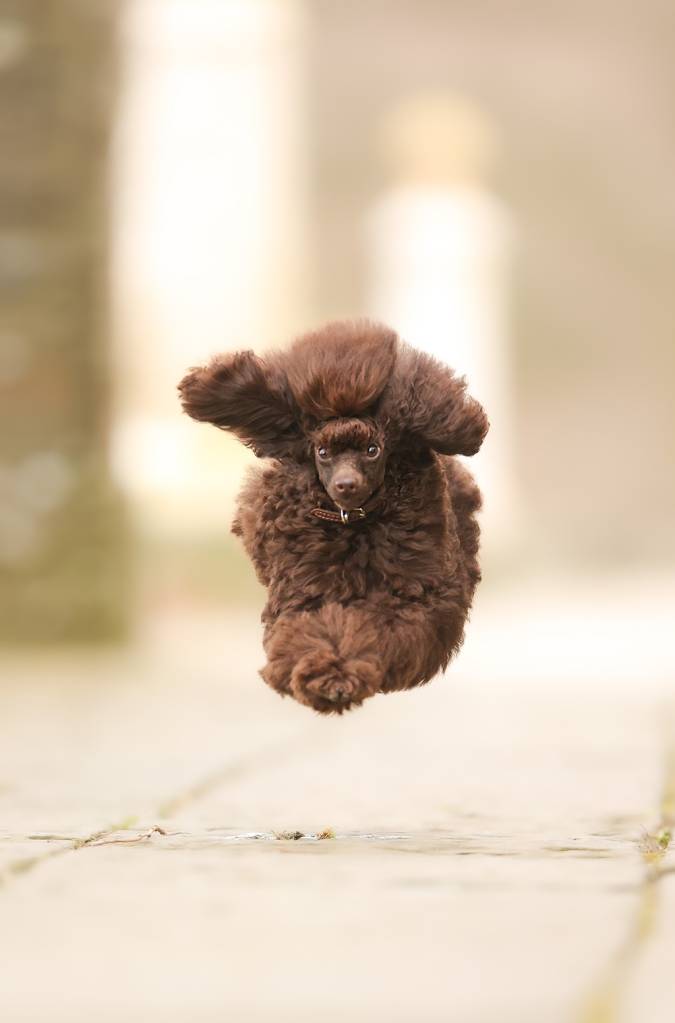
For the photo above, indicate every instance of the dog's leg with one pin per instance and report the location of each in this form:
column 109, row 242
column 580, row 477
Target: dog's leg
column 336, row 657
column 417, row 641
column 327, row 659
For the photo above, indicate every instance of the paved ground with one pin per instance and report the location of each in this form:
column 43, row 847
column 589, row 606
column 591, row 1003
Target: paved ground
column 494, row 849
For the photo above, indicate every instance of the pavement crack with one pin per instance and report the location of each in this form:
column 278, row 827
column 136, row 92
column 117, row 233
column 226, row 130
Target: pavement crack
column 26, row 864
column 210, row 782
column 143, row 837
column 603, row 1004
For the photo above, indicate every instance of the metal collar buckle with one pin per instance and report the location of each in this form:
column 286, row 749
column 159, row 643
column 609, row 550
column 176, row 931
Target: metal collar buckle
column 344, row 515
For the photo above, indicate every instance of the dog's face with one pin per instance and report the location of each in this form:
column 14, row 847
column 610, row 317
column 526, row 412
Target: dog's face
column 350, row 460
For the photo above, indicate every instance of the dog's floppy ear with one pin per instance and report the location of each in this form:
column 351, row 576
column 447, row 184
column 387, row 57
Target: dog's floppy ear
column 434, row 407
column 244, row 394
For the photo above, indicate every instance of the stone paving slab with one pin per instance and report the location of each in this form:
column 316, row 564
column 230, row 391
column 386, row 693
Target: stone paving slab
column 289, row 933
column 92, row 741
column 488, row 853
column 648, row 991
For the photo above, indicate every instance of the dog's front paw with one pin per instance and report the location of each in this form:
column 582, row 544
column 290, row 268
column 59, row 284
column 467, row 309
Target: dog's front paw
column 323, row 681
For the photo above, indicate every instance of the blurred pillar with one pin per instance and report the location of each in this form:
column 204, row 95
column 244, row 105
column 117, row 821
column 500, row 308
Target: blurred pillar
column 439, row 255
column 210, row 231
column 62, row 535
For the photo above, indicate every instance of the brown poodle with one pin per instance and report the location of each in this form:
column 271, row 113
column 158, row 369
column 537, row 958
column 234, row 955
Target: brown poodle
column 362, row 524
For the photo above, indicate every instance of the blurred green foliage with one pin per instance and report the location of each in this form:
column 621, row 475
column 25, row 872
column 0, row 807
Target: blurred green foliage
column 63, row 535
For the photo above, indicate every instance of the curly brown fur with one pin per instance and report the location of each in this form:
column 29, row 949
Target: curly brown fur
column 352, row 418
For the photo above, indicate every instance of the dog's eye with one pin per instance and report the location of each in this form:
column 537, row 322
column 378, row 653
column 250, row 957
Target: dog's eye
column 322, row 453
column 372, row 451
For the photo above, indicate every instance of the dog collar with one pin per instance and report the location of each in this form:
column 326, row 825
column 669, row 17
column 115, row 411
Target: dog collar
column 345, row 517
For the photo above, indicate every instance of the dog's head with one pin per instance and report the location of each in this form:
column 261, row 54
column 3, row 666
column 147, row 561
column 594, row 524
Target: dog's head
column 343, row 398
column 350, row 458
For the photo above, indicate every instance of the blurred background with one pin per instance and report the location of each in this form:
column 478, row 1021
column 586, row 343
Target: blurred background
column 184, row 177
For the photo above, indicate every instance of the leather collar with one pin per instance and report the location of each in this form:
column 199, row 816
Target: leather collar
column 347, row 518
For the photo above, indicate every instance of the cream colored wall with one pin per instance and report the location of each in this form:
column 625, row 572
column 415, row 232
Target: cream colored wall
column 439, row 244
column 209, row 231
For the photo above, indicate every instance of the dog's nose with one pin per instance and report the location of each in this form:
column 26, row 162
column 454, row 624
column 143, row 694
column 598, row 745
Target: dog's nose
column 345, row 484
